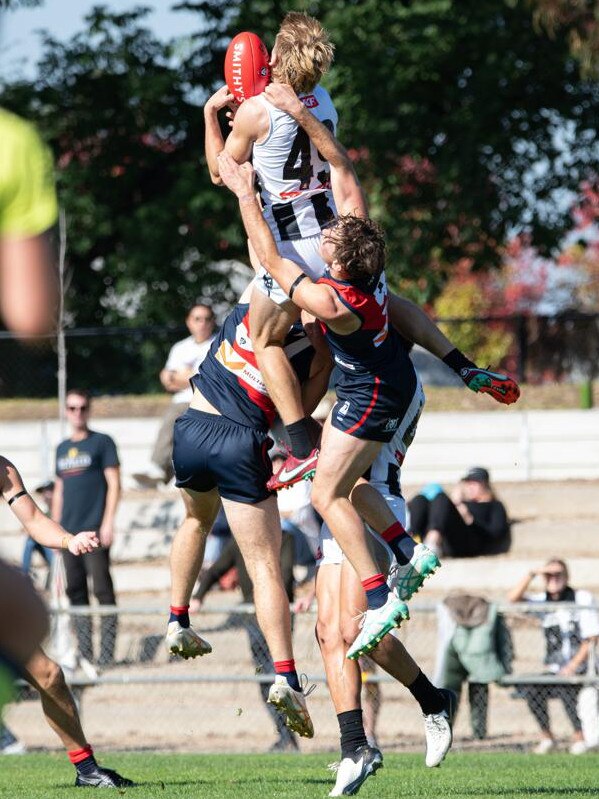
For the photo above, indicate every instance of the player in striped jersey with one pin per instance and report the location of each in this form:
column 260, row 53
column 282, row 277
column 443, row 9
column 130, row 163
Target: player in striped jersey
column 294, row 185
column 377, row 378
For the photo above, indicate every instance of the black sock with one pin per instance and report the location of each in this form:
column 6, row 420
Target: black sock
column 457, row 361
column 300, row 438
column 430, row 699
column 352, row 732
column 87, row 766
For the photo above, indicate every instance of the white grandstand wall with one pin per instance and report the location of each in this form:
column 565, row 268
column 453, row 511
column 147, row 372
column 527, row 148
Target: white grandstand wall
column 514, row 445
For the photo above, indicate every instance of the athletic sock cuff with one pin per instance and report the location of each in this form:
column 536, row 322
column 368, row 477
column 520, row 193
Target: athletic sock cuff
column 284, row 666
column 77, row 755
column 391, row 533
column 374, row 582
column 179, row 609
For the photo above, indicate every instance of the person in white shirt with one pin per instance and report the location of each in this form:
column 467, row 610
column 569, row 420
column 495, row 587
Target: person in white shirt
column 570, row 635
column 183, row 361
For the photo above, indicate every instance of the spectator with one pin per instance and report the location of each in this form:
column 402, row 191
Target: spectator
column 570, row 635
column 474, row 646
column 86, row 496
column 231, row 558
column 183, row 361
column 474, row 523
column 45, row 492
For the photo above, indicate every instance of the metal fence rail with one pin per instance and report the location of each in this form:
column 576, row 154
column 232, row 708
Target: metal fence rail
column 145, row 698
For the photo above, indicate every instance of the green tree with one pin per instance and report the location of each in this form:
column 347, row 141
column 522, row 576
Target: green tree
column 144, row 222
column 467, row 119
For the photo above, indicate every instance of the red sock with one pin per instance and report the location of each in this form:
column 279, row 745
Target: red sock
column 395, row 531
column 77, row 755
column 374, row 582
column 283, row 666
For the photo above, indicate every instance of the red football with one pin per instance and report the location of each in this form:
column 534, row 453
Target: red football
column 246, row 66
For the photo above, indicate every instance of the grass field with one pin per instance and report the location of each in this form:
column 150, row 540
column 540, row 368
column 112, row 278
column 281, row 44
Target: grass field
column 305, row 776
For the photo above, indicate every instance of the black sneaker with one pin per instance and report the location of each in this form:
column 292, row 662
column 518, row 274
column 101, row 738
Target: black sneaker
column 353, row 771
column 102, row 778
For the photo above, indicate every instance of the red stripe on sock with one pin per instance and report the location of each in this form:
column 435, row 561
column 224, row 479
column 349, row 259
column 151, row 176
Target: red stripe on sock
column 374, row 582
column 177, row 610
column 391, row 533
column 77, row 755
column 282, row 666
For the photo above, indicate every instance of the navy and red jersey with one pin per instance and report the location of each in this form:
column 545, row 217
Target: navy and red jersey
column 229, row 377
column 375, row 380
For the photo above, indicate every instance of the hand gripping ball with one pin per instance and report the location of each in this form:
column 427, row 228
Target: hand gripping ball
column 246, row 66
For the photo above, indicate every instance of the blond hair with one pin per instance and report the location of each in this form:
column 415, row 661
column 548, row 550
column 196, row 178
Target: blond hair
column 304, row 52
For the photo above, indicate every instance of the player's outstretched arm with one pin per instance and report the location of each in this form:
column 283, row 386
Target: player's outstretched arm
column 348, row 194
column 415, row 325
column 213, row 137
column 318, row 299
column 40, row 527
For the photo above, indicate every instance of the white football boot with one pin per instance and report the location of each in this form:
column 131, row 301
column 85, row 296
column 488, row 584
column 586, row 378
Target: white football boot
column 292, row 705
column 438, row 730
column 185, row 642
column 353, row 771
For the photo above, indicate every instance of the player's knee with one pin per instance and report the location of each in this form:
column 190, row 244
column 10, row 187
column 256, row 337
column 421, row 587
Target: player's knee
column 50, row 676
column 321, row 499
column 348, row 629
column 328, row 634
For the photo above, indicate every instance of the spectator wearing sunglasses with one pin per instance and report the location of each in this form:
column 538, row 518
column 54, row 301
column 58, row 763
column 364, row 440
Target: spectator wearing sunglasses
column 86, row 496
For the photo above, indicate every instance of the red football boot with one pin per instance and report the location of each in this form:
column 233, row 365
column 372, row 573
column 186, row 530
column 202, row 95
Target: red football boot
column 293, row 470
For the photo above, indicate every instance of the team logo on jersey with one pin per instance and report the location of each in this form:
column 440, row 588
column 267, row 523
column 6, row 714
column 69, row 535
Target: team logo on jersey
column 392, row 424
column 310, row 101
column 268, row 283
column 343, row 409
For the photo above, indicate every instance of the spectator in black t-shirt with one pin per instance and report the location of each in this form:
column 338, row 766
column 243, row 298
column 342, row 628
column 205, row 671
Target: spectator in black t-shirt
column 86, row 496
column 473, row 522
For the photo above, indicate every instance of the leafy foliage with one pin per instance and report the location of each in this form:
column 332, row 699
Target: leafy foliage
column 144, row 222
column 466, row 122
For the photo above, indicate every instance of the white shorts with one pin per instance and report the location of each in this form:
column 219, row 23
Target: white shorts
column 303, row 252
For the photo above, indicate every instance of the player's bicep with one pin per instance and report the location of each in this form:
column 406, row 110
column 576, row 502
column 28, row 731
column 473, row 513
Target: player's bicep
column 239, row 146
column 320, row 300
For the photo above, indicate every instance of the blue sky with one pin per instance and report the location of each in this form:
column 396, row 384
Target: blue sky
column 20, row 45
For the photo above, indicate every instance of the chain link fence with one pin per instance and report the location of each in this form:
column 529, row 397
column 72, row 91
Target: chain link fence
column 140, row 697
column 127, row 360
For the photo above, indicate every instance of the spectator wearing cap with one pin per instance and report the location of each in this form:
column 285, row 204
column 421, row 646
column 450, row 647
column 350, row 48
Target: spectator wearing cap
column 44, row 491
column 472, row 522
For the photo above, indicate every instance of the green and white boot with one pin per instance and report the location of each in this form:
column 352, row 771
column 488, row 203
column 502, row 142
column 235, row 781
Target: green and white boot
column 406, row 580
column 376, row 624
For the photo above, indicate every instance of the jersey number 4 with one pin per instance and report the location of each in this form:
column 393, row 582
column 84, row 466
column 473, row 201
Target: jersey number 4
column 298, row 165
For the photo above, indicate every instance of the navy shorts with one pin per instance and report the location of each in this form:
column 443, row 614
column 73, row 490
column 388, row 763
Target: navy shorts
column 371, row 409
column 210, row 451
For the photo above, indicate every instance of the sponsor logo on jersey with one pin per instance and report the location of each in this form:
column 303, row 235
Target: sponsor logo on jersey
column 235, row 363
column 343, row 409
column 343, row 363
column 392, row 424
column 310, row 101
